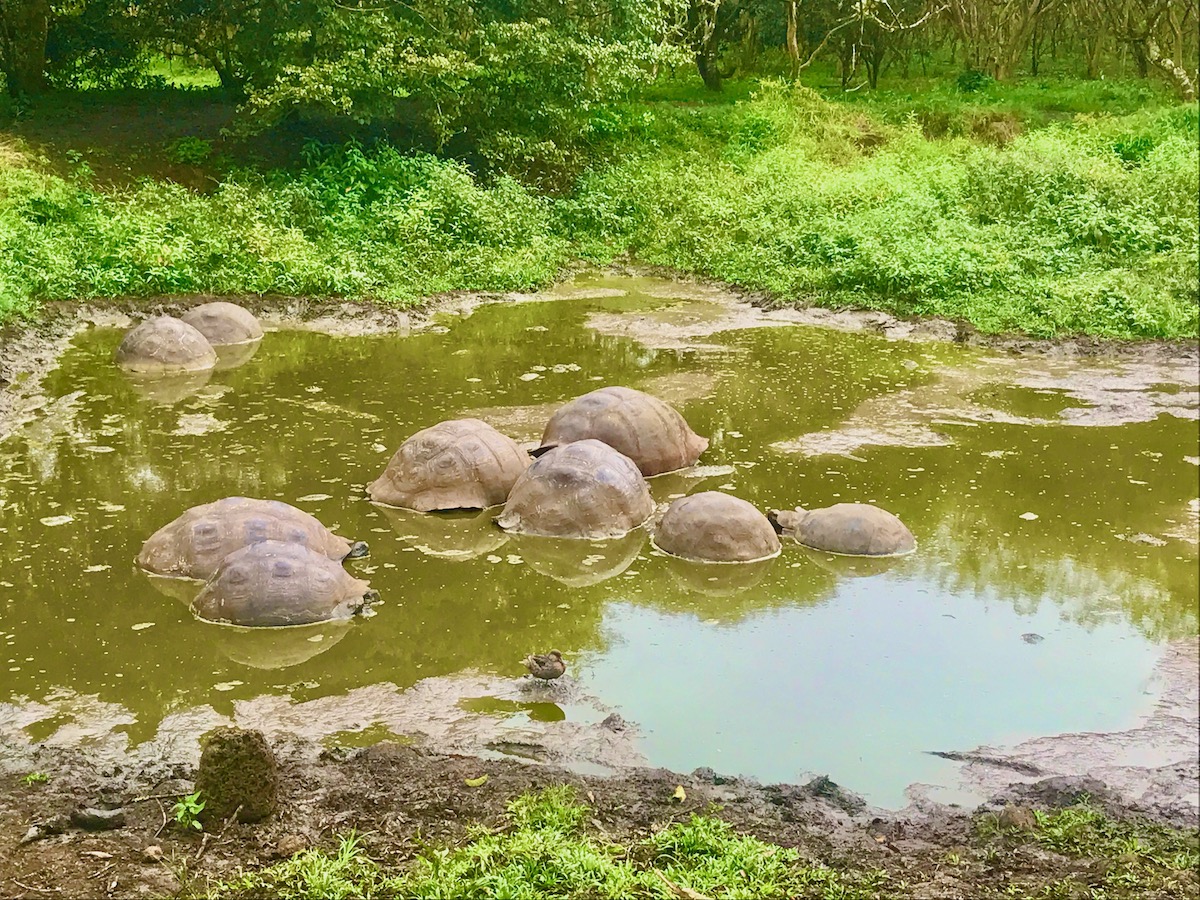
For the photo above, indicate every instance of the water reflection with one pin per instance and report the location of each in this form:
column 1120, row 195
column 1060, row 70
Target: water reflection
column 577, row 563
column 276, row 648
column 452, row 535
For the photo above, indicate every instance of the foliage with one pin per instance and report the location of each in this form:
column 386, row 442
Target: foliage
column 545, row 852
column 1145, row 858
column 1044, row 225
column 35, row 778
column 1050, row 232
column 187, row 811
column 382, row 225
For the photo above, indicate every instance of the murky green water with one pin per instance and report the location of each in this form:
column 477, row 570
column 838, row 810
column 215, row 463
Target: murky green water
column 805, row 666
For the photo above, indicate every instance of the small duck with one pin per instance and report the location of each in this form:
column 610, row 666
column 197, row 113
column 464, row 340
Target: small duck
column 547, row 667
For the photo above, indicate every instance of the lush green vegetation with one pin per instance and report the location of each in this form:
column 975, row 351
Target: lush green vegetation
column 1029, row 167
column 961, row 207
column 546, row 850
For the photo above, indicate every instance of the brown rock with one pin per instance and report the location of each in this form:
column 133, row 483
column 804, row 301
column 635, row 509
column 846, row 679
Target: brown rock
column 289, row 845
column 237, row 769
column 1017, row 818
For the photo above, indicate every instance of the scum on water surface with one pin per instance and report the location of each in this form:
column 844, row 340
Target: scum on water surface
column 1050, row 497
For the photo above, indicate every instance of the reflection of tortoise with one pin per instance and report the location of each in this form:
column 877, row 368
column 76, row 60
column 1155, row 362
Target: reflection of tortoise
column 459, row 464
column 716, row 527
column 274, row 583
column 224, row 323
column 700, row 577
column 852, row 529
column 581, row 490
column 580, row 563
column 167, row 390
column 165, row 345
column 546, row 667
column 648, row 431
column 456, row 536
column 194, row 544
column 277, row 648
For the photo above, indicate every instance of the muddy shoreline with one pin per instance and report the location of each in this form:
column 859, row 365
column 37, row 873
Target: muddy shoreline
column 403, row 799
column 29, row 349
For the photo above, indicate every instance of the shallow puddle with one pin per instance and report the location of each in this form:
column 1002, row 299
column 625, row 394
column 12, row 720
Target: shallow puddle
column 1053, row 504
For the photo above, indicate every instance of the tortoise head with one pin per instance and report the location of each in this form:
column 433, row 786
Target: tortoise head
column 786, row 521
column 358, row 550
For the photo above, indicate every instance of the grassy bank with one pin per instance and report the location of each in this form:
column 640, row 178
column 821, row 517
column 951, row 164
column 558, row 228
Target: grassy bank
column 1050, row 210
column 546, row 849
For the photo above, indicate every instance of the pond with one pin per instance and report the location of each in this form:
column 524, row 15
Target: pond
column 1053, row 502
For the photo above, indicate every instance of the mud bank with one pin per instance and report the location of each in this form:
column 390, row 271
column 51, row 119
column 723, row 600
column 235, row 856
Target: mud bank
column 30, row 349
column 403, row 798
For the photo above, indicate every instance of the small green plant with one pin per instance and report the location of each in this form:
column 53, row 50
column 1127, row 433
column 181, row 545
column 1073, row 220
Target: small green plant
column 972, row 80
column 35, row 778
column 189, row 151
column 187, row 811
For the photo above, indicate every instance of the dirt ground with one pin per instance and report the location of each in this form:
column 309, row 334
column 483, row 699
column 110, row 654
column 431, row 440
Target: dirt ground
column 402, row 797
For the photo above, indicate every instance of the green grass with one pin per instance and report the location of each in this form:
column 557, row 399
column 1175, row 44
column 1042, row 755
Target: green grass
column 1088, row 226
column 1045, row 207
column 1137, row 858
column 179, row 72
column 544, row 851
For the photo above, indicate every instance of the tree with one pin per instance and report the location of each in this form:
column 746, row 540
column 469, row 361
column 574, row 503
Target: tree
column 1144, row 26
column 515, row 80
column 238, row 38
column 995, row 33
column 24, row 27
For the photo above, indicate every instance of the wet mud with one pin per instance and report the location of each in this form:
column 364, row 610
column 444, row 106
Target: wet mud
column 399, row 798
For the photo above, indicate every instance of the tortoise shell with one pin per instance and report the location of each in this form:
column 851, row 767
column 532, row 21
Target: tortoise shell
column 164, row 345
column 648, row 431
column 194, row 544
column 276, row 583
column 851, row 529
column 224, row 323
column 584, row 489
column 716, row 527
column 458, row 464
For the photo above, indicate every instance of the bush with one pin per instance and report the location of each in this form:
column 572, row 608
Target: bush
column 380, row 225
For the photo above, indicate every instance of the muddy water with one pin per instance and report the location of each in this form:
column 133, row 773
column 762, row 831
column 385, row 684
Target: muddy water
column 1053, row 502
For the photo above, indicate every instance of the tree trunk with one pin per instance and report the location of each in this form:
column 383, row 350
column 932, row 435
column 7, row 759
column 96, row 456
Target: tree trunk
column 1140, row 58
column 24, row 27
column 793, row 39
column 710, row 70
column 1175, row 72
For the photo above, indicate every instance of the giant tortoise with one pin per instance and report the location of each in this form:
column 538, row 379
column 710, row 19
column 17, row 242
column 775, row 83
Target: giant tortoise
column 648, row 431
column 458, row 464
column 851, row 529
column 277, row 583
column 194, row 544
column 716, row 527
column 584, row 489
column 165, row 345
column 224, row 323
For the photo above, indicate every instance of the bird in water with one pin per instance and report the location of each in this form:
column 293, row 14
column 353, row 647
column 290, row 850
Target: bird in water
column 546, row 667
